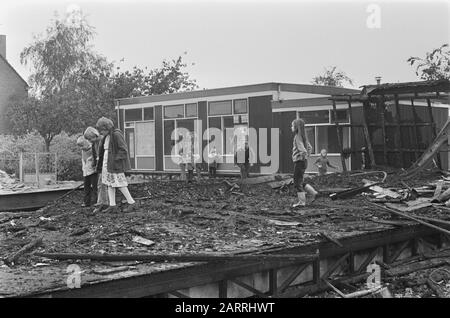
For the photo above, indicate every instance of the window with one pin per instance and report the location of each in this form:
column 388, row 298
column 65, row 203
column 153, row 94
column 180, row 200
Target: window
column 315, row 117
column 145, row 139
column 191, row 110
column 133, row 114
column 228, row 137
column 240, row 106
column 311, row 134
column 220, row 108
column 176, row 111
column 342, row 116
column 327, row 138
column 169, row 127
column 148, row 113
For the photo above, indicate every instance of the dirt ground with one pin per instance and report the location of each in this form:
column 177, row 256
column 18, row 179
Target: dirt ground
column 202, row 217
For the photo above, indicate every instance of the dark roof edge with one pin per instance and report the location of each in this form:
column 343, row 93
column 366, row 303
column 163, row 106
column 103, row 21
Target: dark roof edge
column 14, row 70
column 242, row 89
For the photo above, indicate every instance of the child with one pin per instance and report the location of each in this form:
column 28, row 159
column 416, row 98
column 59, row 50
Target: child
column 94, row 137
column 213, row 157
column 242, row 160
column 116, row 162
column 89, row 171
column 301, row 149
column 322, row 163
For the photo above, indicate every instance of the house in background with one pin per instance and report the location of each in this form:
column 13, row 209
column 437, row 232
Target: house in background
column 11, row 84
column 148, row 123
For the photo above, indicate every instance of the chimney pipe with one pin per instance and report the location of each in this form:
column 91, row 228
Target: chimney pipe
column 378, row 79
column 3, row 45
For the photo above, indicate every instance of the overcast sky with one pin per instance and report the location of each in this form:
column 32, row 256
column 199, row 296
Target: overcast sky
column 246, row 42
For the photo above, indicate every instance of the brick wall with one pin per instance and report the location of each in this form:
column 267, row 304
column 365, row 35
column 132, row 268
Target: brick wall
column 10, row 84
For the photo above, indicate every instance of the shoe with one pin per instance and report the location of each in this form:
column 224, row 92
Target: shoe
column 312, row 192
column 130, row 208
column 111, row 209
column 99, row 208
column 84, row 205
column 301, row 200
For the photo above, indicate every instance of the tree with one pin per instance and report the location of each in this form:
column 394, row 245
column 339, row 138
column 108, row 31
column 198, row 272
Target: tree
column 332, row 77
column 72, row 85
column 435, row 65
column 171, row 77
column 69, row 81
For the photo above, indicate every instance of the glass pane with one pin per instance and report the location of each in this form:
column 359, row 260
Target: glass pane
column 315, row 117
column 240, row 106
column 220, row 108
column 176, row 111
column 145, row 139
column 148, row 113
column 133, row 114
column 327, row 139
column 191, row 110
column 129, row 133
column 228, row 135
column 310, row 132
column 342, row 116
column 169, row 126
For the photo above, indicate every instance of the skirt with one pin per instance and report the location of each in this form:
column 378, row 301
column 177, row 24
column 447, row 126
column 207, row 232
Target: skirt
column 115, row 180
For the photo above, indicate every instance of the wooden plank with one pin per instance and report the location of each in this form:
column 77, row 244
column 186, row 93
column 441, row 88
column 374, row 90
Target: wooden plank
column 399, row 131
column 402, row 208
column 433, row 129
column 411, row 218
column 367, row 135
column 339, row 131
column 416, row 129
column 381, row 190
column 11, row 259
column 380, row 106
column 178, row 258
column 249, row 288
column 292, row 277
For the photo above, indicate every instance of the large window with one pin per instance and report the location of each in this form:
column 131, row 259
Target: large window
column 220, row 108
column 140, row 137
column 322, row 132
column 175, row 111
column 176, row 117
column 231, row 116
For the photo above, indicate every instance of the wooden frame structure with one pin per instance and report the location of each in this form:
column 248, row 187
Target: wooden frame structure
column 378, row 95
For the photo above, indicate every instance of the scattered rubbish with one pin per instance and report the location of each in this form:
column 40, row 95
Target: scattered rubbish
column 143, row 241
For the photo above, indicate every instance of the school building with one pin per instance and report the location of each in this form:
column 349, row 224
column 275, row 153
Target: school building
column 148, row 123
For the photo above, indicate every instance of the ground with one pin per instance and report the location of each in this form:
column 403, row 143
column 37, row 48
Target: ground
column 202, row 217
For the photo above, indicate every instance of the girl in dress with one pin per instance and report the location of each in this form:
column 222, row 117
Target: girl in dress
column 115, row 162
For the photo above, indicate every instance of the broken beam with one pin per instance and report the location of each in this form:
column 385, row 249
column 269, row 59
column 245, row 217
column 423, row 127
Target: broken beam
column 180, row 258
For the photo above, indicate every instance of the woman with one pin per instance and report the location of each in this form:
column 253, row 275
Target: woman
column 115, row 162
column 301, row 149
column 96, row 140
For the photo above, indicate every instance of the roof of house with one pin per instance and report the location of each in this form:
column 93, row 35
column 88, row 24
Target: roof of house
column 243, row 89
column 13, row 69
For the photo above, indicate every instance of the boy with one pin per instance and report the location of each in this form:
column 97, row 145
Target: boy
column 89, row 171
column 322, row 163
column 242, row 160
column 213, row 158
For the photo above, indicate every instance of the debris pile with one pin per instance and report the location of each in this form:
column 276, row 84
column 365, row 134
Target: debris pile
column 9, row 184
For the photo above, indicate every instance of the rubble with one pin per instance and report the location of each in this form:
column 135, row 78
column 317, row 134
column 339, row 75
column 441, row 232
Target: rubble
column 175, row 218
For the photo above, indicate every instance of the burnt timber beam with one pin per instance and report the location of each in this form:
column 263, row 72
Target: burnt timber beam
column 206, row 273
column 339, row 133
column 433, row 129
column 381, row 107
column 367, row 134
column 248, row 287
column 416, row 129
column 399, row 131
column 292, row 277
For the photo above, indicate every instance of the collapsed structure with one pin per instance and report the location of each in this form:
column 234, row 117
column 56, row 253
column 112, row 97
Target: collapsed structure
column 222, row 238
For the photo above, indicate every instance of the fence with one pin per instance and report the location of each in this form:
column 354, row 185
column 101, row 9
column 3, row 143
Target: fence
column 39, row 169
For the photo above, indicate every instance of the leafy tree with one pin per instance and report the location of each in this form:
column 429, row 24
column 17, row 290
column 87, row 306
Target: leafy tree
column 435, row 65
column 72, row 85
column 171, row 77
column 332, row 77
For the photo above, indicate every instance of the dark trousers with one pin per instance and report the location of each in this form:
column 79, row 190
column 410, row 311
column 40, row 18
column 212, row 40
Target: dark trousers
column 90, row 188
column 299, row 171
column 245, row 167
column 190, row 175
column 212, row 171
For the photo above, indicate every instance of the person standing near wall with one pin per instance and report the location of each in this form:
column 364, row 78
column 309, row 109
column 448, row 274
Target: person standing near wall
column 97, row 140
column 301, row 149
column 116, row 162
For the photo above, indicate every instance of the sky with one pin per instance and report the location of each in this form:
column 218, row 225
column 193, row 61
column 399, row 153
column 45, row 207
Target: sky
column 230, row 43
